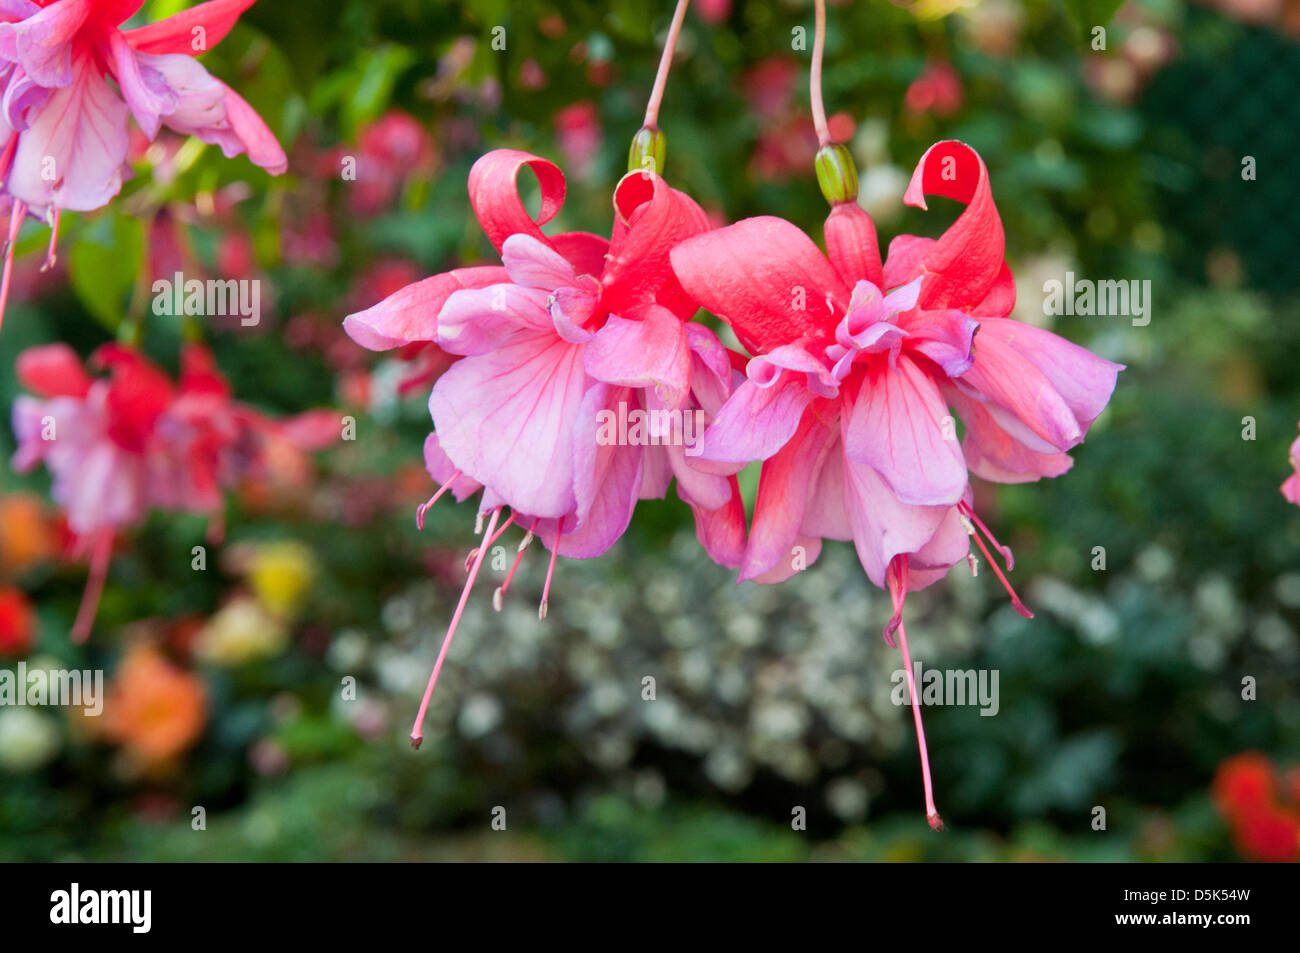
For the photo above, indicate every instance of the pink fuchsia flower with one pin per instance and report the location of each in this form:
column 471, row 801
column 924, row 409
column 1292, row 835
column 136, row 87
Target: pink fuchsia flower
column 64, row 128
column 1291, row 487
column 856, row 365
column 120, row 445
column 937, row 90
column 570, row 329
column 390, row 151
column 578, row 135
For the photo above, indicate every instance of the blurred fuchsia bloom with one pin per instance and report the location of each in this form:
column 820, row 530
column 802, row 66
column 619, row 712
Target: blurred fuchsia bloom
column 390, row 151
column 713, row 11
column 64, row 127
column 570, row 329
column 1291, row 488
column 937, row 90
column 120, row 445
column 856, row 365
column 577, row 130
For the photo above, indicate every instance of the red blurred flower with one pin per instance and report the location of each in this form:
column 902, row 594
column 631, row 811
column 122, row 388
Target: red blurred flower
column 17, row 623
column 1265, row 824
column 937, row 90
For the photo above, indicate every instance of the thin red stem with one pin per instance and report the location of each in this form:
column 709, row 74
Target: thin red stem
column 815, row 75
column 665, row 64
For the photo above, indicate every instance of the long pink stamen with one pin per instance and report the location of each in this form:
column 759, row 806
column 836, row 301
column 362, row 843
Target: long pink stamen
column 424, row 508
column 1015, row 599
column 498, row 597
column 15, row 222
column 488, row 545
column 100, row 556
column 815, row 74
column 50, row 257
column 897, row 593
column 665, row 63
column 417, row 731
column 899, row 568
column 1006, row 552
column 550, row 571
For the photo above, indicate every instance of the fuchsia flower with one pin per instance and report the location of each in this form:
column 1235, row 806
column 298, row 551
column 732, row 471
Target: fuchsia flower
column 120, row 445
column 64, row 128
column 569, row 327
column 1291, row 486
column 856, row 366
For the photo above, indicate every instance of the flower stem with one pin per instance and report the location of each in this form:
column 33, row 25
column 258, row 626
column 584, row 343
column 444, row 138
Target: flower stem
column 815, row 75
column 665, row 63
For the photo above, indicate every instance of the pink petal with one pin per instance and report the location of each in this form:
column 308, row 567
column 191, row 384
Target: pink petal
column 145, row 89
column 756, row 422
column 721, row 531
column 42, row 44
column 507, row 418
column 967, row 259
column 176, row 33
column 765, row 278
column 945, row 337
column 607, row 478
column 440, row 467
column 651, row 218
column 479, row 320
column 82, row 132
column 1084, row 380
column 882, row 526
column 494, row 194
column 585, row 251
column 52, row 370
column 783, row 490
column 411, row 314
column 533, row 264
column 851, row 244
column 1021, row 397
column 650, row 352
column 897, row 426
column 993, row 454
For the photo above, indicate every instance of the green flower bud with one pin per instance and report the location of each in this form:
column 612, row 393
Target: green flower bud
column 647, row 153
column 837, row 174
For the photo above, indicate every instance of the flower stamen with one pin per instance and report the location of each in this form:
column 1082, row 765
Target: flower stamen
column 424, row 507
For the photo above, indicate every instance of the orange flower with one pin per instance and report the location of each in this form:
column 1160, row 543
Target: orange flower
column 26, row 534
column 17, row 623
column 153, row 709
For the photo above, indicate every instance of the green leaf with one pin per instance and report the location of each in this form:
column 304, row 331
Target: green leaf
column 1087, row 14
column 104, row 264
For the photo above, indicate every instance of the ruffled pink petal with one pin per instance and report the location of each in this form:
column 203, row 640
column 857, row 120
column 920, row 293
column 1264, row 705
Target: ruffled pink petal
column 721, row 531
column 882, row 526
column 650, row 218
column 947, row 547
column 765, row 278
column 607, row 478
column 756, row 422
column 803, row 553
column 1021, row 398
column 650, row 352
column 945, row 337
column 507, row 419
column 478, row 320
column 80, row 136
column 42, row 43
column 964, row 263
column 852, row 246
column 411, row 314
column 252, row 135
column 494, row 194
column 533, row 264
column 993, row 454
column 146, row 91
column 897, row 426
column 1084, row 380
column 585, row 251
column 783, row 490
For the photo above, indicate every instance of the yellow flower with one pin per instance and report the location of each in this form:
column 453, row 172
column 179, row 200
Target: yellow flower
column 242, row 630
column 281, row 575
